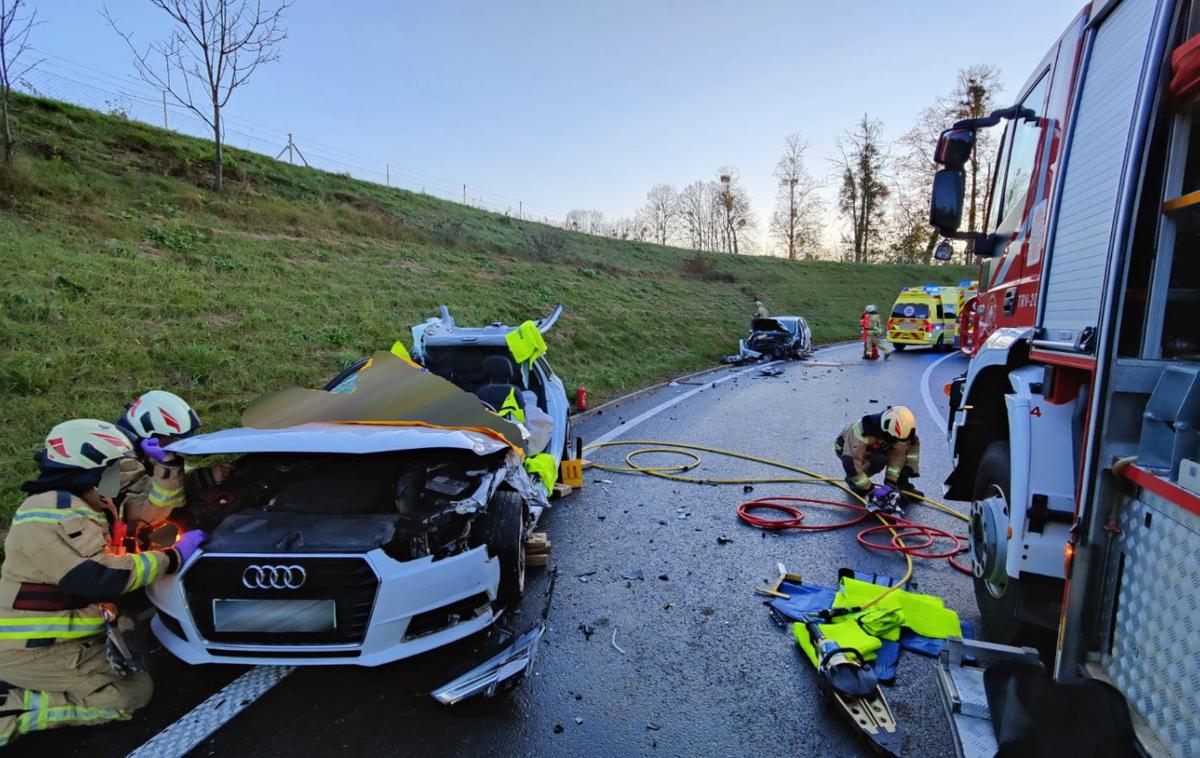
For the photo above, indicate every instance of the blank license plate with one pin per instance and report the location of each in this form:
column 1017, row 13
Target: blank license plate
column 281, row 616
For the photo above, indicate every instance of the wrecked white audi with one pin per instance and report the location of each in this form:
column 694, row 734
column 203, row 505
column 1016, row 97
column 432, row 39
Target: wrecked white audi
column 371, row 521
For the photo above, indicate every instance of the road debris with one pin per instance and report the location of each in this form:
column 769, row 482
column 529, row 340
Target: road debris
column 723, row 540
column 618, row 648
column 653, row 726
column 639, row 575
column 587, row 630
column 578, row 720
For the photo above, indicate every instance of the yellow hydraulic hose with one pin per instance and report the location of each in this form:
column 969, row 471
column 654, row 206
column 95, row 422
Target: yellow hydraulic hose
column 675, row 473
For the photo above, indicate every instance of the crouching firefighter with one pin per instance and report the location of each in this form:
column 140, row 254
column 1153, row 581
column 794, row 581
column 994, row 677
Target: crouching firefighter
column 152, row 422
column 881, row 441
column 61, row 661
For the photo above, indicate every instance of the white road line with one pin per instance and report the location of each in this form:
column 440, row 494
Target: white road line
column 612, row 434
column 206, row 718
column 930, row 406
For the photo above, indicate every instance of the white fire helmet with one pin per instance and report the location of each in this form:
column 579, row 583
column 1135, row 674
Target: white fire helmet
column 86, row 443
column 159, row 413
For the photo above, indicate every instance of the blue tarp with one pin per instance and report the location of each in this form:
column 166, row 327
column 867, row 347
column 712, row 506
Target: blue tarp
column 810, row 598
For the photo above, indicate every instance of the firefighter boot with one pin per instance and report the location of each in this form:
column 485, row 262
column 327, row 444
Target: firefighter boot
column 86, row 690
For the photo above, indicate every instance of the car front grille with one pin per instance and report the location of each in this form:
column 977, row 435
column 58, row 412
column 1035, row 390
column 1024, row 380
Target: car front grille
column 350, row 582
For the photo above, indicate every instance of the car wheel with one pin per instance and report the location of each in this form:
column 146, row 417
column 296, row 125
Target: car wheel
column 503, row 531
column 997, row 602
column 568, row 451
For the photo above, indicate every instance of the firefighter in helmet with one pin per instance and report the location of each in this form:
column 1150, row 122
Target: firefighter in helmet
column 60, row 664
column 760, row 310
column 873, row 327
column 153, row 421
column 879, row 441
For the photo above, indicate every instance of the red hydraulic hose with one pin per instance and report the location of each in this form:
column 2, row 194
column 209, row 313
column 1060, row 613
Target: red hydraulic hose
column 903, row 528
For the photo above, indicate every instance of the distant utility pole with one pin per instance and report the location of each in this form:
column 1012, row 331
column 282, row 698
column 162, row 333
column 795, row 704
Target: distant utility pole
column 291, row 148
column 521, row 209
column 387, row 174
column 165, row 126
column 464, row 194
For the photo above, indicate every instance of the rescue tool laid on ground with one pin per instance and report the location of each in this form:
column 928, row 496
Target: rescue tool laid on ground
column 379, row 518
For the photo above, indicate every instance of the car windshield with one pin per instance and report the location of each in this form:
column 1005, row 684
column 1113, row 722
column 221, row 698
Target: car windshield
column 910, row 310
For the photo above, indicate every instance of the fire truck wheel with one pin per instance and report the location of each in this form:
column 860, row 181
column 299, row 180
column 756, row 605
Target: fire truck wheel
column 899, row 346
column 997, row 602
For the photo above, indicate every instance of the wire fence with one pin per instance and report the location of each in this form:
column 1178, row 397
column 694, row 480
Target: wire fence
column 126, row 97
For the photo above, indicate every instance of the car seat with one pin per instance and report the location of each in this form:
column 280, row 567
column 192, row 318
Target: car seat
column 498, row 373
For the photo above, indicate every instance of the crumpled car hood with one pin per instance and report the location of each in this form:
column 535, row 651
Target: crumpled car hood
column 336, row 438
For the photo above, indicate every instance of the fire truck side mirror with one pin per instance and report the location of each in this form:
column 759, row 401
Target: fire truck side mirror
column 943, row 251
column 946, row 203
column 954, row 147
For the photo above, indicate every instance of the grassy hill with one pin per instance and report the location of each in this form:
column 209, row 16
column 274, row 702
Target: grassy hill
column 122, row 272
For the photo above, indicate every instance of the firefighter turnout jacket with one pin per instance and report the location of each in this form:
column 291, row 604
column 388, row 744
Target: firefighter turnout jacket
column 863, row 440
column 149, row 496
column 59, row 563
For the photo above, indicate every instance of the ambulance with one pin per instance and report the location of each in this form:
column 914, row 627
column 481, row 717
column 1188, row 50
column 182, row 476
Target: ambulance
column 919, row 318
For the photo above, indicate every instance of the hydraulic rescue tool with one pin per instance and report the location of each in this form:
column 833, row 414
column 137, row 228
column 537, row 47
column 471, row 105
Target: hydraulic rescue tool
column 849, row 684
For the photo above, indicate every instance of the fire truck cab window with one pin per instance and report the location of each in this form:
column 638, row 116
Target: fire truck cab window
column 1024, row 134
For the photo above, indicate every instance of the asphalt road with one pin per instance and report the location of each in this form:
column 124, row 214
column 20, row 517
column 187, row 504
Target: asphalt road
column 704, row 671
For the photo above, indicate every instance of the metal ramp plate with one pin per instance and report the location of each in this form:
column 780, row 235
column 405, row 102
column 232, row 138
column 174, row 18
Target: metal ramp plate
column 972, row 698
column 975, row 737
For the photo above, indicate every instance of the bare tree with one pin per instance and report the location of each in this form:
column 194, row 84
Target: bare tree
column 215, row 45
column 622, row 228
column 796, row 224
column 14, row 42
column 576, row 220
column 863, row 193
column 974, row 96
column 700, row 214
column 660, row 212
column 734, row 205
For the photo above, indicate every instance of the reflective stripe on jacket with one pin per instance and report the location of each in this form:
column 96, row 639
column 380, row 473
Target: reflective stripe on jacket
column 149, row 496
column 59, row 539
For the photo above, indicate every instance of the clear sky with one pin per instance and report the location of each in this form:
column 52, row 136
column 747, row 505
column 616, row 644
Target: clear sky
column 567, row 103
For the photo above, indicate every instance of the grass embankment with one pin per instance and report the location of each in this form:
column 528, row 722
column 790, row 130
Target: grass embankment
column 122, row 272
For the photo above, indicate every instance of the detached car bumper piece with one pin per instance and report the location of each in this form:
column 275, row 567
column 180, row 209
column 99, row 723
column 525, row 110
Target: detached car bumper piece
column 484, row 679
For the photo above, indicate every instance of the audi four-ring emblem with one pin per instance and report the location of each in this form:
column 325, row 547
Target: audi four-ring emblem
column 257, row 577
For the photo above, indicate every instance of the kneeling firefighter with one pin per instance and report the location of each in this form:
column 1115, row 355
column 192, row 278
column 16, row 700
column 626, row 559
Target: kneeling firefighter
column 59, row 584
column 153, row 421
column 877, row 441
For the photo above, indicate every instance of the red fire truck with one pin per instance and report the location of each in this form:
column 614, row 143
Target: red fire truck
column 1074, row 430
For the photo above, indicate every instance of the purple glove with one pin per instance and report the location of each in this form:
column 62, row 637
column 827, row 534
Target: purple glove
column 153, row 450
column 189, row 543
column 883, row 492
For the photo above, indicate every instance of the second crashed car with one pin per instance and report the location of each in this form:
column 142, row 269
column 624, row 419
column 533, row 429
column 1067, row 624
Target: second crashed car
column 375, row 520
column 776, row 337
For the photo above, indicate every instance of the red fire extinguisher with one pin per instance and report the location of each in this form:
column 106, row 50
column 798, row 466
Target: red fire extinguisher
column 581, row 399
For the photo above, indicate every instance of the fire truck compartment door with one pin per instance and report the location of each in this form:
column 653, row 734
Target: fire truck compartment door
column 1093, row 183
